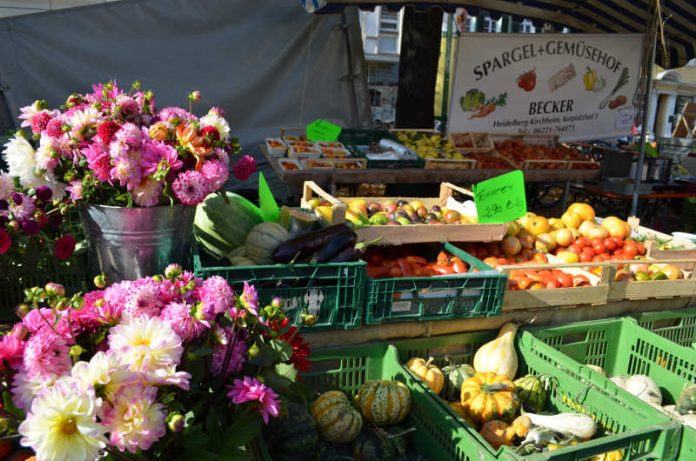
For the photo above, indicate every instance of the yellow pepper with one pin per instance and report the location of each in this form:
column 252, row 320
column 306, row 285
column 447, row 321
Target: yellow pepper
column 589, row 79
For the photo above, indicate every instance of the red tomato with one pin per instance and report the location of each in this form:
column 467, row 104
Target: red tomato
column 575, row 249
column 609, row 244
column 458, row 266
column 619, row 241
column 605, row 257
column 595, row 241
column 588, row 251
column 540, row 257
column 598, row 246
column 641, row 248
column 586, row 258
column 629, row 249
column 550, row 282
column 582, row 242
column 597, row 259
column 580, row 281
column 491, row 261
column 565, row 280
column 523, row 283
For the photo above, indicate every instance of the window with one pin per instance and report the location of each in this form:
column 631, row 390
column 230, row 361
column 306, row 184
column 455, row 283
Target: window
column 388, row 44
column 388, row 26
column 376, row 98
column 526, row 26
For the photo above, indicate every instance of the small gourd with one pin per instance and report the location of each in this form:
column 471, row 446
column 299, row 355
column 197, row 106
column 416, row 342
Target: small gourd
column 499, row 356
column 427, row 372
column 499, row 433
column 531, row 392
column 263, row 239
column 687, row 400
column 579, row 425
column 236, row 261
column 383, row 402
column 458, row 408
column 455, row 375
column 337, row 420
column 488, row 396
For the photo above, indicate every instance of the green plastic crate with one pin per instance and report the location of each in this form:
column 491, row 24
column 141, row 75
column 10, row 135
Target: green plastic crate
column 354, row 137
column 639, row 432
column 621, row 347
column 679, row 326
column 474, row 294
column 71, row 274
column 438, row 435
column 334, row 292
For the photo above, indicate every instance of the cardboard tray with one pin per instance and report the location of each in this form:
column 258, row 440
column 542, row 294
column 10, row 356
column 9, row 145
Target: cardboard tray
column 416, row 233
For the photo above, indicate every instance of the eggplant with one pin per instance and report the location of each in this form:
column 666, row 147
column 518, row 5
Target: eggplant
column 347, row 254
column 335, row 246
column 305, row 246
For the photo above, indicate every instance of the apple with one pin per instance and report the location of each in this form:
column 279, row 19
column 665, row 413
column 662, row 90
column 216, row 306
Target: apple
column 357, row 203
column 452, row 216
column 537, row 225
column 416, row 204
column 571, row 220
column 422, row 211
column 527, row 216
column 373, row 208
column 564, row 237
column 622, row 275
column 389, row 206
column 545, row 242
column 526, row 239
column 672, row 272
column 513, row 228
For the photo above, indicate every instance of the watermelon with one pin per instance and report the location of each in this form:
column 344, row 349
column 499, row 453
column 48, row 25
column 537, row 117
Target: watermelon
column 222, row 223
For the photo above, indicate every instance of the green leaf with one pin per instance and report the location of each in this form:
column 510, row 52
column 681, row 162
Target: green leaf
column 282, row 349
column 276, row 380
column 269, row 207
column 195, row 445
column 10, row 407
column 244, row 428
column 202, row 351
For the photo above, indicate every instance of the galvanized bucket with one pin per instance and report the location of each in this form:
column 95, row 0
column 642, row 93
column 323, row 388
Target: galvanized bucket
column 129, row 243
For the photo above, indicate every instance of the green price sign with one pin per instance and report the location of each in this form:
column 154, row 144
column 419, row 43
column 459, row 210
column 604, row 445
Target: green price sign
column 501, row 199
column 321, row 130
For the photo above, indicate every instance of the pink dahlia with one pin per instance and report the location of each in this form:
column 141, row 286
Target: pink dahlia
column 237, row 355
column 142, row 299
column 251, row 389
column 23, row 206
column 75, row 190
column 215, row 173
column 147, row 193
column 6, row 186
column 40, row 121
column 159, row 156
column 54, row 128
column 11, row 352
column 190, row 187
column 245, row 167
column 180, row 318
column 126, row 168
column 106, row 131
column 129, row 135
column 175, row 115
column 46, row 354
column 216, row 295
column 249, row 298
column 99, row 161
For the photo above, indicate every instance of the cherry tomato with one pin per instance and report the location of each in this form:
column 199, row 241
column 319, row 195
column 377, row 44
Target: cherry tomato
column 588, row 251
column 586, row 258
column 630, row 250
column 575, row 249
column 598, row 246
column 609, row 244
column 595, row 241
column 619, row 241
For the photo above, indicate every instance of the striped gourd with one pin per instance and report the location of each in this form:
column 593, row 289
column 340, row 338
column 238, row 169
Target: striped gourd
column 487, row 396
column 263, row 239
column 384, row 403
column 337, row 420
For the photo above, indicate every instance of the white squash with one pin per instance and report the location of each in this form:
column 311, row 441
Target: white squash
column 596, row 368
column 619, row 380
column 581, row 426
column 688, row 419
column 499, row 355
column 645, row 389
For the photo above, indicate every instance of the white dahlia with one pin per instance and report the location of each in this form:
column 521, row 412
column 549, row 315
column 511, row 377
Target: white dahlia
column 145, row 344
column 214, row 119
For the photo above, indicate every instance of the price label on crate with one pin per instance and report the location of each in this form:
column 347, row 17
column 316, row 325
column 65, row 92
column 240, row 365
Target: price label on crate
column 321, row 130
column 501, row 199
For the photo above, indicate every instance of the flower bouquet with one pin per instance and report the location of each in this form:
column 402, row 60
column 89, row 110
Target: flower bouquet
column 166, row 367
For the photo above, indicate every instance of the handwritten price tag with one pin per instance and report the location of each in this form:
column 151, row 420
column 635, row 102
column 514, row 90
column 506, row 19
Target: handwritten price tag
column 321, row 130
column 501, row 199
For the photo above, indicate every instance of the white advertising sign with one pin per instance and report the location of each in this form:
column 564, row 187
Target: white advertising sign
column 579, row 86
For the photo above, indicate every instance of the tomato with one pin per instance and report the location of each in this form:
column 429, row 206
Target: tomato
column 376, row 272
column 580, row 281
column 536, row 286
column 565, row 280
column 605, row 257
column 395, row 272
column 599, row 247
column 442, row 258
column 458, row 266
column 588, row 251
column 597, row 259
column 630, row 250
column 544, row 274
column 491, row 261
column 482, row 253
column 504, row 261
column 540, row 257
column 575, row 249
column 523, row 283
column 595, row 241
column 641, row 248
column 493, row 249
column 619, row 241
column 609, row 244
column 586, row 258
column 582, row 242
column 417, row 259
column 441, row 269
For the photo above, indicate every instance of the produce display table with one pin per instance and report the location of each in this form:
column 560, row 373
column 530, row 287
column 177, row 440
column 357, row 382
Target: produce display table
column 542, row 316
column 331, row 178
column 613, row 203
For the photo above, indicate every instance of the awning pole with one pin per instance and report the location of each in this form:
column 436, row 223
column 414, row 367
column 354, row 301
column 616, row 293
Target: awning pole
column 644, row 123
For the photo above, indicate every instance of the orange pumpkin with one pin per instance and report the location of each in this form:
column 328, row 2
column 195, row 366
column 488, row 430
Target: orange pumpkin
column 488, row 396
column 427, row 372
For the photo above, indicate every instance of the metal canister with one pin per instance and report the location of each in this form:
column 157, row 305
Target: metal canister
column 129, row 243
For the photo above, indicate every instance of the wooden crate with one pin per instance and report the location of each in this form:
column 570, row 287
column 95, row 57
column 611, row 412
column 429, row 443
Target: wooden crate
column 311, row 190
column 450, row 164
column 471, row 142
column 532, row 139
column 596, row 294
column 333, row 164
column 416, row 233
column 654, row 289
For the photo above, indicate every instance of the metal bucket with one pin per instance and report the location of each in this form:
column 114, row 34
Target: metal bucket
column 129, row 243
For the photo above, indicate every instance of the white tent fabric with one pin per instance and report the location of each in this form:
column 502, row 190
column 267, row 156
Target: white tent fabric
column 267, row 64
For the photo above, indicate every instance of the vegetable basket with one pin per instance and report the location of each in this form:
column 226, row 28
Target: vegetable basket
column 679, row 326
column 621, row 347
column 637, row 431
column 333, row 292
column 437, row 434
column 474, row 294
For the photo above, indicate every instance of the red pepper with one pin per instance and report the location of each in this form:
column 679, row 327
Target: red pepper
column 395, row 272
column 376, row 272
column 417, row 259
column 405, row 267
column 458, row 266
column 442, row 258
column 442, row 269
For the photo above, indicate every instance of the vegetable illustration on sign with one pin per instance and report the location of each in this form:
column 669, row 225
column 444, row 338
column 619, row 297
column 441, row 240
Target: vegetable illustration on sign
column 474, row 101
column 620, row 100
column 527, row 81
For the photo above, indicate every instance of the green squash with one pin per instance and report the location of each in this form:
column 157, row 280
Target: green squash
column 293, row 433
column 532, row 393
column 687, row 400
column 338, row 421
column 330, row 452
column 373, row 446
column 455, row 375
column 383, row 402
